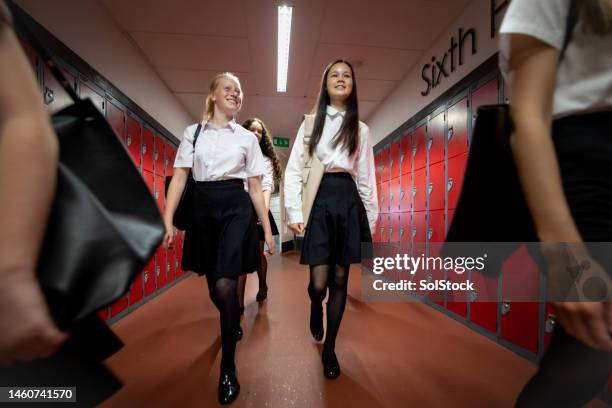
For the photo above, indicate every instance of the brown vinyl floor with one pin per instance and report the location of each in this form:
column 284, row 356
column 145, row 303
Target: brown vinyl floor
column 392, row 354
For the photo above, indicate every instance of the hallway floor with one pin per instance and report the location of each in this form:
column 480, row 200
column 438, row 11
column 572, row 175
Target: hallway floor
column 392, row 354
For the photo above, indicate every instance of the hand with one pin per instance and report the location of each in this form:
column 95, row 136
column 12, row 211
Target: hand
column 590, row 322
column 28, row 331
column 169, row 237
column 297, row 228
column 271, row 245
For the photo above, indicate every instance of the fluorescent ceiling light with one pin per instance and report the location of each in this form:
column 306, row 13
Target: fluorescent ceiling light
column 284, row 38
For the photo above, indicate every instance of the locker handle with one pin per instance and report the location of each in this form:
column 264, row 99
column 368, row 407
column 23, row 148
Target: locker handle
column 414, row 191
column 390, row 163
column 390, row 230
column 414, row 232
column 167, row 266
column 401, row 232
column 472, row 296
column 146, row 276
column 144, row 148
column 449, row 184
column 429, row 143
column 451, row 133
column 157, row 270
column 401, row 157
column 156, row 195
column 414, row 151
column 429, row 188
column 505, row 309
column 49, row 96
column 429, row 233
column 402, row 193
column 156, row 156
column 551, row 322
column 128, row 140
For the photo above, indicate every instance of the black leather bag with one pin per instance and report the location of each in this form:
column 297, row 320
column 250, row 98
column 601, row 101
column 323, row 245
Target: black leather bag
column 104, row 224
column 184, row 210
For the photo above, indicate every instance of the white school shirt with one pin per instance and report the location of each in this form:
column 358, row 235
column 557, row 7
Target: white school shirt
column 267, row 180
column 584, row 79
column 360, row 166
column 220, row 154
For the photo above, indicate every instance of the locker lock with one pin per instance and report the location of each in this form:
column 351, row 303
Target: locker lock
column 414, row 191
column 144, row 148
column 414, row 151
column 551, row 322
column 156, row 156
column 167, row 266
column 449, row 184
column 429, row 188
column 146, row 276
column 414, row 232
column 472, row 296
column 391, row 163
column 176, row 265
column 128, row 140
column 429, row 143
column 505, row 308
column 429, row 233
column 156, row 195
column 49, row 96
column 157, row 270
column 401, row 231
column 451, row 132
column 402, row 157
column 402, row 193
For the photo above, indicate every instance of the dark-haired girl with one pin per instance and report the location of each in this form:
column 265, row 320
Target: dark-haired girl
column 345, row 208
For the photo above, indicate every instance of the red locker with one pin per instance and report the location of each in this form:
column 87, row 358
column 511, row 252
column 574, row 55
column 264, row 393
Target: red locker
column 160, row 195
column 159, row 156
column 394, row 162
column 119, row 306
column 149, row 277
column 160, row 268
column 456, row 170
column 394, row 195
column 171, row 264
column 54, row 95
column 149, row 178
column 457, row 129
column 406, row 227
column 435, row 143
column 436, row 186
column 419, row 147
column 179, row 252
column 483, row 306
column 384, row 228
column 406, row 193
column 394, row 228
column 419, row 241
column 487, row 94
column 97, row 97
column 419, row 199
column 136, row 290
column 147, row 147
column 435, row 238
column 520, row 292
column 406, row 153
column 116, row 118
column 170, row 155
column 384, row 198
column 379, row 193
column 132, row 139
column 385, row 171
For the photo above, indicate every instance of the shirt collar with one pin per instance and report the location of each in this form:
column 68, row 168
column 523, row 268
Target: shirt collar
column 333, row 112
column 231, row 124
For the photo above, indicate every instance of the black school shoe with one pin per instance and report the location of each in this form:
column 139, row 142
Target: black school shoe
column 228, row 389
column 331, row 367
column 262, row 295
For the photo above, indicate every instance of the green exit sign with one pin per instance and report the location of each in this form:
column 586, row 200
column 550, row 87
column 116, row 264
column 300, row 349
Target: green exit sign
column 281, row 141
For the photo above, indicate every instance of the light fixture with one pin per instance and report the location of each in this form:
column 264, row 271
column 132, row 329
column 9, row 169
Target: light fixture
column 284, row 38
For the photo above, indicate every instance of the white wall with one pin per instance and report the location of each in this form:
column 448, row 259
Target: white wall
column 86, row 27
column 406, row 100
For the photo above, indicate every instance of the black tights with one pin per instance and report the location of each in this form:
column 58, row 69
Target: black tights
column 334, row 277
column 262, row 273
column 223, row 293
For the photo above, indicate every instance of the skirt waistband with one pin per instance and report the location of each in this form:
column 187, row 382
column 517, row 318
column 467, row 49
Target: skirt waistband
column 221, row 184
column 340, row 175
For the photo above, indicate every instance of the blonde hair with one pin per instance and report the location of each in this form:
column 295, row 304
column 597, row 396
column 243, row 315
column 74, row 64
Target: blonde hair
column 596, row 16
column 209, row 109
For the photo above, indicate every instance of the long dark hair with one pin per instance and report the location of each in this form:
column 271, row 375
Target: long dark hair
column 596, row 15
column 348, row 136
column 266, row 146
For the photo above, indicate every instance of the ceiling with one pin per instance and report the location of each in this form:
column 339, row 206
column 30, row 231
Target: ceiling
column 189, row 41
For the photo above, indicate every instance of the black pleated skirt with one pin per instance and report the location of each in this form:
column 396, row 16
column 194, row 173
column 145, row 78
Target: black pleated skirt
column 338, row 227
column 260, row 230
column 222, row 242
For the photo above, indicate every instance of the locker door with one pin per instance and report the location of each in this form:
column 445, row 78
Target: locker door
column 97, row 97
column 149, row 277
column 119, row 306
column 160, row 268
column 384, row 228
column 520, row 315
column 487, row 94
column 419, row 241
column 170, row 155
column 54, row 95
column 159, row 156
column 419, row 192
column 149, row 178
column 385, row 171
column 457, row 132
column 136, row 290
column 406, row 153
column 171, row 264
column 160, row 196
column 456, row 170
column 419, row 147
column 406, row 193
column 394, row 162
column 394, row 195
column 405, row 236
column 483, row 302
column 436, row 186
column 435, row 239
column 132, row 139
column 435, row 143
column 116, row 118
column 394, row 228
column 147, row 147
column 384, row 197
